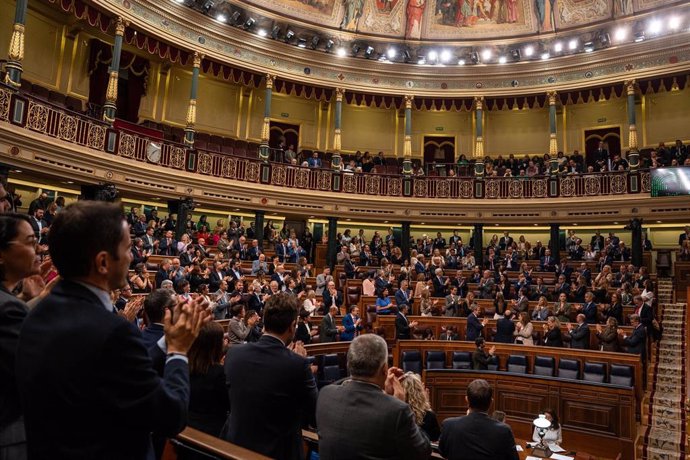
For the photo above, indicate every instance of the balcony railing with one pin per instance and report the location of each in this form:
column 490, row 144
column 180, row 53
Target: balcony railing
column 39, row 116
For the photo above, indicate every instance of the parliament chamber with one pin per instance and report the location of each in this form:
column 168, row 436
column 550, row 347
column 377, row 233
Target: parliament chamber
column 431, row 173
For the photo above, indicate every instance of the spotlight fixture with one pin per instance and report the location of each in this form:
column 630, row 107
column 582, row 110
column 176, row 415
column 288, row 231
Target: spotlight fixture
column 432, row 55
column 235, row 17
column 588, row 47
column 407, row 56
column 545, row 56
column 302, row 43
column 502, row 60
column 486, row 55
column 249, row 23
column 315, row 42
column 639, row 36
column 262, row 33
column 206, row 7
column 474, row 57
column 516, row 55
column 355, row 49
column 655, row 27
column 341, row 52
column 391, row 53
column 572, row 44
column 289, row 35
column 558, row 47
column 329, row 45
column 605, row 40
column 674, row 23
column 421, row 60
column 221, row 17
column 461, row 62
column 620, row 34
column 275, row 32
column 529, row 51
column 368, row 51
column 445, row 56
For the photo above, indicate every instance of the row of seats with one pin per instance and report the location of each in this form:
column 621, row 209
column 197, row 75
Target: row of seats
column 518, row 364
column 53, row 97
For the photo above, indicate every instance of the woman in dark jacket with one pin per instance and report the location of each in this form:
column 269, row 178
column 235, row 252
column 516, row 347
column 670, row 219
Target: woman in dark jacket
column 615, row 309
column 608, row 336
column 552, row 332
column 208, row 402
column 304, row 332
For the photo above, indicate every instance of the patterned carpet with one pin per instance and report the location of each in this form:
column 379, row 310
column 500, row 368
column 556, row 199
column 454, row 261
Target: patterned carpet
column 665, row 436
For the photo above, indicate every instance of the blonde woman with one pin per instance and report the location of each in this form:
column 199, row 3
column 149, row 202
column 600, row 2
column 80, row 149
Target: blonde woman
column 418, row 400
column 426, row 305
column 310, row 303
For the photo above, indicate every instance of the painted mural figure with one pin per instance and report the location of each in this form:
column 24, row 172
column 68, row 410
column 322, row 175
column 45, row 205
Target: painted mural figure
column 498, row 11
column 415, row 11
column 512, row 11
column 353, row 11
column 547, row 19
column 623, row 7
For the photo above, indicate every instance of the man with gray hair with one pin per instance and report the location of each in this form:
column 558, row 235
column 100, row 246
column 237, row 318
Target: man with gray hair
column 385, row 427
column 167, row 284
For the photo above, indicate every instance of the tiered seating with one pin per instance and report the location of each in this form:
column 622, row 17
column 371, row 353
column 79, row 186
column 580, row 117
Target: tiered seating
column 63, row 101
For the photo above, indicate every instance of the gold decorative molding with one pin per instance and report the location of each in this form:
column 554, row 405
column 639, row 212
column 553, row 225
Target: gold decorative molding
column 16, row 51
column 120, row 26
column 111, row 92
column 266, row 129
column 196, row 63
column 191, row 114
column 479, row 102
column 407, row 147
column 553, row 144
column 336, row 141
column 632, row 137
column 270, row 79
column 630, row 87
column 552, row 97
column 339, row 93
column 408, row 101
column 479, row 147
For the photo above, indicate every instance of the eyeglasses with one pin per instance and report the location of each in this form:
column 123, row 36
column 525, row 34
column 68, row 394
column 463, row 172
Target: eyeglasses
column 30, row 241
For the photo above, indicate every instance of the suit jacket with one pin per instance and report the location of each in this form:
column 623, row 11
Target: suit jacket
column 167, row 249
column 272, row 392
column 350, row 328
column 480, row 360
column 328, row 332
column 597, row 241
column 439, row 286
column 402, row 298
column 474, row 328
column 579, row 337
column 637, row 341
column 504, row 330
column 590, row 312
column 328, row 300
column 385, row 428
column 476, row 437
column 88, row 385
column 12, row 314
column 548, row 265
column 553, row 338
column 302, row 333
column 402, row 327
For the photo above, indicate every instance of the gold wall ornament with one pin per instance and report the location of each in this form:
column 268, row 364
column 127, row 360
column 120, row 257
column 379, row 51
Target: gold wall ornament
column 111, row 92
column 553, row 144
column 479, row 102
column 337, row 141
column 632, row 137
column 408, row 101
column 339, row 93
column 191, row 113
column 552, row 97
column 630, row 87
column 270, row 79
column 266, row 129
column 407, row 146
column 479, row 147
column 5, row 97
column 16, row 51
column 197, row 59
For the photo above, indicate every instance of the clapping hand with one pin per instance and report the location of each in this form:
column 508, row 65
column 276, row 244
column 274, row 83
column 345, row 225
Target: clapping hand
column 599, row 329
column 492, row 350
column 393, row 386
column 298, row 347
column 182, row 325
column 413, row 324
column 485, row 321
column 569, row 326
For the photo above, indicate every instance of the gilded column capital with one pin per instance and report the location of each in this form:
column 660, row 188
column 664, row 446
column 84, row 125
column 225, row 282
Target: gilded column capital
column 408, row 101
column 630, row 87
column 552, row 97
column 479, row 102
column 120, row 25
column 339, row 93
column 270, row 79
column 196, row 63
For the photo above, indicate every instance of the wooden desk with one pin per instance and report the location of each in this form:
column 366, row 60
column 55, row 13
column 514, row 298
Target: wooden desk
column 210, row 445
column 598, row 416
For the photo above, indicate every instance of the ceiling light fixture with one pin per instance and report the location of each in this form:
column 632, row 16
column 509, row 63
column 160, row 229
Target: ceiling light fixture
column 221, row 17
column 558, row 47
column 289, row 35
column 275, row 32
column 589, row 47
column 639, row 36
column 529, row 51
column 432, row 55
column 545, row 56
column 249, row 23
column 474, row 57
column 301, row 43
column 355, row 49
column 315, row 41
column 572, row 44
column 655, row 27
column 674, row 23
column 329, row 45
column 445, row 56
column 516, row 55
column 368, row 52
column 461, row 62
column 262, row 33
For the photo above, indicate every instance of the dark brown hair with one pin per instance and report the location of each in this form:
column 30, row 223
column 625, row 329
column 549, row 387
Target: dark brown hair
column 207, row 349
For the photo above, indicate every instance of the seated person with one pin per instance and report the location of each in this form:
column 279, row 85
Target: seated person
column 553, row 433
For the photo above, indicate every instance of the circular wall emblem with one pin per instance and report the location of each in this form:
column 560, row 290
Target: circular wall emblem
column 264, row 200
column 444, row 85
column 13, row 150
column 589, row 74
column 409, row 84
column 551, row 79
column 307, row 71
column 479, row 85
column 109, row 174
column 201, row 39
column 514, row 83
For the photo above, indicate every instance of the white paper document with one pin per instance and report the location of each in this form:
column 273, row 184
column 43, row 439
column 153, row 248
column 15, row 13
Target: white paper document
column 555, row 448
column 561, row 457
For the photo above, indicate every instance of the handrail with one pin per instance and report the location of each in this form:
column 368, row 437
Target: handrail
column 50, row 120
column 215, row 446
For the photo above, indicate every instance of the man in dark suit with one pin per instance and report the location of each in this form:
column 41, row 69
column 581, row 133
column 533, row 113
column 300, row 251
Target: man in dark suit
column 637, row 341
column 602, row 159
column 110, row 407
column 481, row 357
column 684, row 236
column 547, row 263
column 155, row 306
column 505, row 242
column 168, row 245
column 328, row 330
column 505, row 328
column 332, row 297
column 440, row 283
column 385, row 427
column 597, row 241
column 402, row 295
column 474, row 326
column 578, row 334
column 271, row 385
column 403, row 327
column 476, row 436
column 589, row 309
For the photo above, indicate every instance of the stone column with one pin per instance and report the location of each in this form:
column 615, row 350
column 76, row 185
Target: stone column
column 336, row 159
column 479, row 133
column 405, row 240
column 264, row 149
column 477, row 243
column 633, row 154
column 553, row 141
column 110, row 106
column 259, row 227
column 407, row 144
column 332, row 243
column 15, row 55
column 191, row 109
column 555, row 242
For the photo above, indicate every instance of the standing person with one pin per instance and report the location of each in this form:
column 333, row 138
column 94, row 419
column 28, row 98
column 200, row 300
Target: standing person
column 386, row 426
column 481, row 357
column 110, row 407
column 476, row 436
column 271, row 385
column 329, row 330
column 579, row 334
column 417, row 397
column 474, row 326
column 403, row 326
column 17, row 261
column 352, row 324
